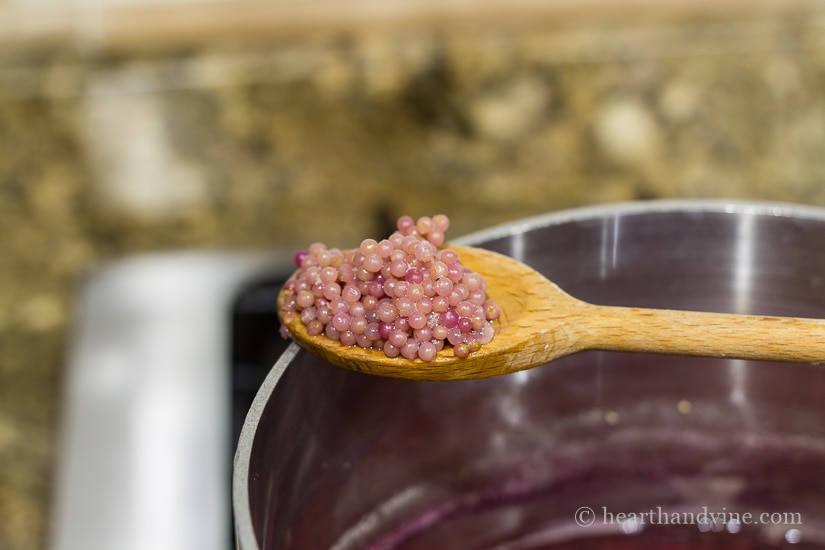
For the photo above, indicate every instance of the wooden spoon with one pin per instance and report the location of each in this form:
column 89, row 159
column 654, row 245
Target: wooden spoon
column 540, row 322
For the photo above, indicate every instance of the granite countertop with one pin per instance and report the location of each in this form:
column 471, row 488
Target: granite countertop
column 277, row 143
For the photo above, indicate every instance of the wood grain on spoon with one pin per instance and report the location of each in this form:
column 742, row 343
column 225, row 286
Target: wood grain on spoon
column 540, row 322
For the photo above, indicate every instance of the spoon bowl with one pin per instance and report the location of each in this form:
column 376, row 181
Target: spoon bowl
column 540, row 322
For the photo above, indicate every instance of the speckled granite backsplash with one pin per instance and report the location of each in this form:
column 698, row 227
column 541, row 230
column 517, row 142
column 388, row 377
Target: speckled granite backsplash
column 249, row 144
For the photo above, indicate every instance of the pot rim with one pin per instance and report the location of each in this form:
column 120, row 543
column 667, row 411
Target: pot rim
column 245, row 533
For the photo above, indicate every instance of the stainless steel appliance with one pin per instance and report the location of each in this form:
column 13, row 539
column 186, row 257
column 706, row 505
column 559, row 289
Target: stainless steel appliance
column 167, row 352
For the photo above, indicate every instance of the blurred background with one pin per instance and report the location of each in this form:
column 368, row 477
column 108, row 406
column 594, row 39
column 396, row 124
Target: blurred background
column 131, row 127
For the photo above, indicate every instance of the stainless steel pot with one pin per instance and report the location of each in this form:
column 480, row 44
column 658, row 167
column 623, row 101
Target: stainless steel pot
column 597, row 448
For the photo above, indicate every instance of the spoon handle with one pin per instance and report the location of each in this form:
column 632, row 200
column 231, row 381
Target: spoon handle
column 706, row 334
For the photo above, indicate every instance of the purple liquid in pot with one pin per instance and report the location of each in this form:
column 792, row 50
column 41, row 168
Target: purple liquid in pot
column 545, row 454
column 534, row 504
